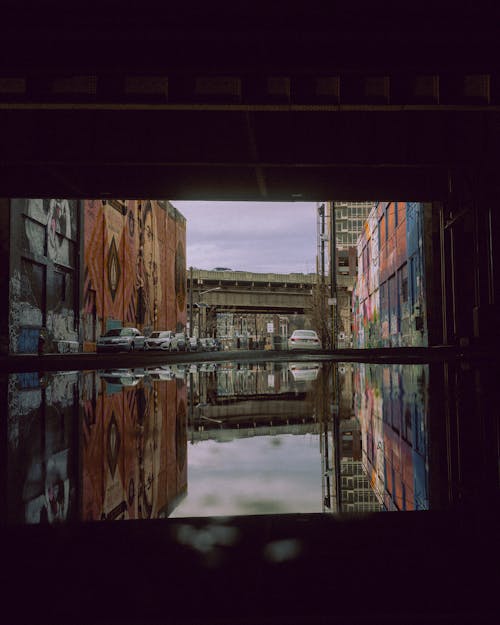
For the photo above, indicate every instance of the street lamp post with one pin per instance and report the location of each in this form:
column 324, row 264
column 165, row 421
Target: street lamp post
column 201, row 305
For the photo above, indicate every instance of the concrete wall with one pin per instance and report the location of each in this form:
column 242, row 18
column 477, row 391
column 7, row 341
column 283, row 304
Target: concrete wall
column 4, row 274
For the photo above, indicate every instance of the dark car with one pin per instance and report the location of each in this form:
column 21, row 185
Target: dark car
column 193, row 344
column 209, row 345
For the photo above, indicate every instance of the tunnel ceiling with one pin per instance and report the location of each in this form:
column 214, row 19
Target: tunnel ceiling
column 221, row 101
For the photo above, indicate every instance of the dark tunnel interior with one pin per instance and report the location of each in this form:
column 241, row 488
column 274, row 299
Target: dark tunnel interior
column 232, row 101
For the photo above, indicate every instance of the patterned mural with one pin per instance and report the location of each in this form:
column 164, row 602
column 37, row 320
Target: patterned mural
column 129, row 279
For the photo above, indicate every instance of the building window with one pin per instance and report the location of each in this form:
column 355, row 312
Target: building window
column 60, row 285
column 404, row 283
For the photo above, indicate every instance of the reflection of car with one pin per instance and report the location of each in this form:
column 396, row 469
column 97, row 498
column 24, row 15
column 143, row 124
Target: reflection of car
column 209, row 345
column 120, row 340
column 160, row 339
column 208, row 366
column 304, row 339
column 161, row 373
column 122, row 377
column 304, row 371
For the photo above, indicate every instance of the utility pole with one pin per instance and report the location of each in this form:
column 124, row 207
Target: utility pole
column 333, row 273
column 190, row 301
column 322, row 291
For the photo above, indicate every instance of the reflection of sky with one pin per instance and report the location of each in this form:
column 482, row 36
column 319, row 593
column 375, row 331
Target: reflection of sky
column 259, row 475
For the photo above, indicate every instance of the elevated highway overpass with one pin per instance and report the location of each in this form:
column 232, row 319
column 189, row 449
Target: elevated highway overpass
column 244, row 292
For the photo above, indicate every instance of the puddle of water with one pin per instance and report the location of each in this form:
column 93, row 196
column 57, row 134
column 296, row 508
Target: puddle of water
column 231, row 439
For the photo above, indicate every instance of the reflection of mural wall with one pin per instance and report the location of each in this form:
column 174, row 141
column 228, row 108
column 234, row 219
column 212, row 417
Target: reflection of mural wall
column 129, row 277
column 127, row 459
column 133, row 449
column 391, row 405
column 41, row 454
column 43, row 274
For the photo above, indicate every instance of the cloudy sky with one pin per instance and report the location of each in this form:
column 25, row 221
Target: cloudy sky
column 251, row 236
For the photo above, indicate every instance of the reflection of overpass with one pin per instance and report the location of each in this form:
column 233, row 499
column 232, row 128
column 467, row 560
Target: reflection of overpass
column 241, row 291
column 261, row 412
column 225, row 435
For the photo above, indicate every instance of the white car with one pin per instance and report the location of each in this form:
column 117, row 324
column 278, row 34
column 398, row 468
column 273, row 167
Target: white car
column 120, row 340
column 160, row 339
column 304, row 339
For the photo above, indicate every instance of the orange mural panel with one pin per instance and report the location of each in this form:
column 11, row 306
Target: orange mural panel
column 135, row 263
column 180, row 271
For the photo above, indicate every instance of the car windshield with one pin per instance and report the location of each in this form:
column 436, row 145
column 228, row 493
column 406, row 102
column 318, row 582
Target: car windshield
column 305, row 334
column 114, row 332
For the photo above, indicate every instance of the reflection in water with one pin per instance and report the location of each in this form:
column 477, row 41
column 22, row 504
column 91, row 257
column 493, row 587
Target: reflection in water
column 89, row 446
column 391, row 408
column 257, row 438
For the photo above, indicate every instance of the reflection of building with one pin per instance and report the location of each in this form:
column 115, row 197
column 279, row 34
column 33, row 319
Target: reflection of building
column 127, row 459
column 357, row 494
column 42, row 456
column 254, row 395
column 391, row 405
column 131, row 272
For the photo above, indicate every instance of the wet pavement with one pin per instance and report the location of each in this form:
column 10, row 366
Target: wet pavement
column 244, row 481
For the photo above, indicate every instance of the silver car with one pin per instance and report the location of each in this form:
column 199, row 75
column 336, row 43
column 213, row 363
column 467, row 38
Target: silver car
column 179, row 342
column 304, row 339
column 160, row 339
column 120, row 340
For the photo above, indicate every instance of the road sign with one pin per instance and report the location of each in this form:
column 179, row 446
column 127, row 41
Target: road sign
column 270, row 327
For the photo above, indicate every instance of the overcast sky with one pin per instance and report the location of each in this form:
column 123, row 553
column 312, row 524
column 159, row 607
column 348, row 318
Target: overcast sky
column 251, row 236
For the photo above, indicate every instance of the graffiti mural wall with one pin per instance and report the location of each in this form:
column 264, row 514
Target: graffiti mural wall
column 131, row 251
column 389, row 299
column 43, row 281
column 80, row 267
